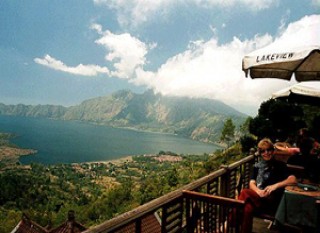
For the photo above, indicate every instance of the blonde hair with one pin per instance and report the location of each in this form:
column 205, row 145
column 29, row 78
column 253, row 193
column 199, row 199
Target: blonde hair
column 266, row 142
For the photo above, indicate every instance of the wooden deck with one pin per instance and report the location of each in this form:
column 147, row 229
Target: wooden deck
column 263, row 226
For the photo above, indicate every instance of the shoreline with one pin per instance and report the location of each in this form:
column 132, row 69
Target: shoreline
column 11, row 155
column 127, row 158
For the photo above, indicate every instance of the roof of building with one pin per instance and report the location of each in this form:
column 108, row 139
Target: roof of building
column 26, row 225
column 69, row 226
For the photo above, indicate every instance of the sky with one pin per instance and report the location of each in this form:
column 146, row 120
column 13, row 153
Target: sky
column 64, row 52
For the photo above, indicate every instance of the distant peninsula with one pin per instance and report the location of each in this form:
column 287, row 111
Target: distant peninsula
column 10, row 153
column 196, row 118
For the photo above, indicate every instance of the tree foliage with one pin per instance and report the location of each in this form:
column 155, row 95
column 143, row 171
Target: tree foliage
column 279, row 120
column 228, row 130
column 276, row 120
column 244, row 128
column 96, row 192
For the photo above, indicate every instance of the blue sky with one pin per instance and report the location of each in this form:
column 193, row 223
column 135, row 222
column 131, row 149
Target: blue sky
column 63, row 52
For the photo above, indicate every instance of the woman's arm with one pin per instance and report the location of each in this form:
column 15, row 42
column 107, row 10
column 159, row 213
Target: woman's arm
column 289, row 181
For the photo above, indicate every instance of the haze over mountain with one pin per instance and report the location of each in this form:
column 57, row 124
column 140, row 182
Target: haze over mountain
column 199, row 119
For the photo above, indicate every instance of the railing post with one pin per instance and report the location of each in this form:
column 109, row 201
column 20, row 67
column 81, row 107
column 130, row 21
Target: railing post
column 138, row 225
column 164, row 219
column 188, row 216
column 224, row 181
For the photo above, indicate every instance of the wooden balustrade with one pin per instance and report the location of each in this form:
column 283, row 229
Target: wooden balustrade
column 170, row 209
column 208, row 213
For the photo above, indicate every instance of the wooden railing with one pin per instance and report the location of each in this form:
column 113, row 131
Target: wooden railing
column 171, row 209
column 209, row 213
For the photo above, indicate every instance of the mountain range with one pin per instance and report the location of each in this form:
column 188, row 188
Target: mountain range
column 196, row 118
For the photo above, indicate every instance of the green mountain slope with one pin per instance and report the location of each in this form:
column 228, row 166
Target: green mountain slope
column 199, row 119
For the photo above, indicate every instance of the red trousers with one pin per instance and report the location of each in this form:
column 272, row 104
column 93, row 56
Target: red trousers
column 252, row 202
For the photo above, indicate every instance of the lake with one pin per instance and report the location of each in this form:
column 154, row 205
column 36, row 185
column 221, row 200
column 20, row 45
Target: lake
column 73, row 142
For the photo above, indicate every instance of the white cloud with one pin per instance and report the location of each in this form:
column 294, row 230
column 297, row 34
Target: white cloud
column 126, row 52
column 85, row 70
column 316, row 3
column 135, row 12
column 251, row 4
column 304, row 32
column 206, row 69
column 284, row 20
column 210, row 70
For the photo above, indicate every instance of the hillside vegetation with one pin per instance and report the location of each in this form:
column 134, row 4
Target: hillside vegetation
column 198, row 119
column 95, row 191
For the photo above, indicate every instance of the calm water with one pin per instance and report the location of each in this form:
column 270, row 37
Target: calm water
column 72, row 141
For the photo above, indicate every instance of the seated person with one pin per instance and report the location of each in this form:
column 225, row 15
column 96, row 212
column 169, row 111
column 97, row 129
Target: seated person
column 266, row 185
column 284, row 146
column 305, row 144
column 283, row 151
column 309, row 155
column 304, row 135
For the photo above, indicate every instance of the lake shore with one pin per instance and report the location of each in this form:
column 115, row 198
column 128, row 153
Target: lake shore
column 118, row 161
column 11, row 155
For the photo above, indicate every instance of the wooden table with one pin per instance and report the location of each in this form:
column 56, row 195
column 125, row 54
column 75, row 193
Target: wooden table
column 303, row 190
column 298, row 207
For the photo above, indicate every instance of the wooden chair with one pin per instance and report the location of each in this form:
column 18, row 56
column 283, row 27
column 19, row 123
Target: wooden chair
column 297, row 171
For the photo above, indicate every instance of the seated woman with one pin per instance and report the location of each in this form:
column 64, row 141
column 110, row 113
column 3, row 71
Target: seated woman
column 266, row 185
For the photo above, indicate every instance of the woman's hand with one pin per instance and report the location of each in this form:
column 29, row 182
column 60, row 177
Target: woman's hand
column 261, row 193
column 269, row 189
